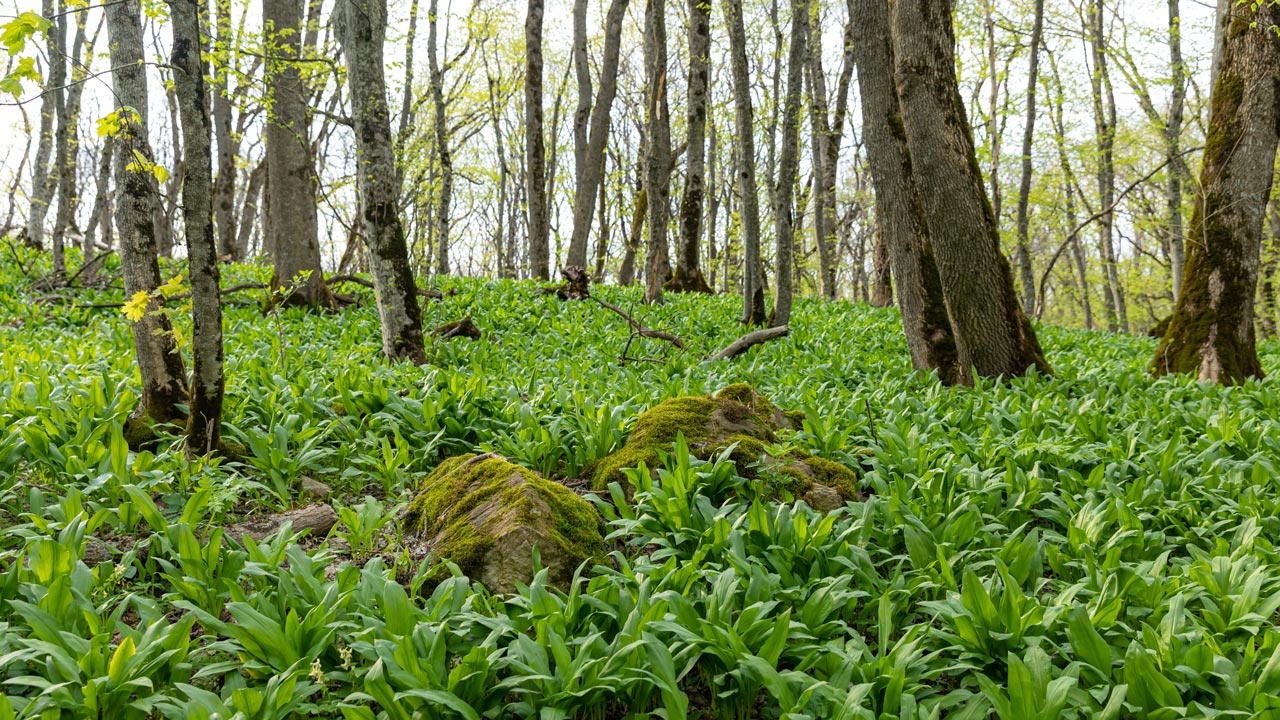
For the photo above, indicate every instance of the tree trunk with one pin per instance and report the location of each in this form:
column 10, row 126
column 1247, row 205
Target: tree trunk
column 1211, row 333
column 993, row 118
column 1173, row 147
column 749, row 211
column 292, row 227
column 361, row 28
column 592, row 172
column 881, row 273
column 602, row 240
column 898, row 210
column 993, row 336
column 98, row 233
column 1104, row 113
column 67, row 148
column 1057, row 113
column 224, row 189
column 444, row 156
column 658, row 150
column 159, row 363
column 253, row 194
column 535, row 147
column 826, row 149
column 688, row 273
column 784, row 225
column 204, row 419
column 54, row 114
column 1270, row 269
column 1024, row 185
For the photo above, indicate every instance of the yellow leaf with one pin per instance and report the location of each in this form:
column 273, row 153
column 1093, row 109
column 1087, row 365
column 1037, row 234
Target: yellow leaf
column 173, row 287
column 122, row 655
column 136, row 308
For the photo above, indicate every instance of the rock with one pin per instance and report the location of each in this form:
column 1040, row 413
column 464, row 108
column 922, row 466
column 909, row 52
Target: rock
column 319, row 519
column 711, row 423
column 486, row 515
column 312, row 488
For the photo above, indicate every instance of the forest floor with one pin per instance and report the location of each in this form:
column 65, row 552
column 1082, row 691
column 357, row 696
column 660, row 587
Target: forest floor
column 1097, row 544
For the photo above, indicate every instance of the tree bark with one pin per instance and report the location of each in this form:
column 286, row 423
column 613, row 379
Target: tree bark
column 361, row 29
column 535, row 147
column 1270, row 268
column 224, row 189
column 826, row 148
column 53, row 128
column 1173, row 147
column 784, row 225
column 444, row 156
column 1024, row 185
column 688, row 272
column 1104, row 113
column 899, row 212
column 292, row 226
column 159, row 363
column 658, row 152
column 596, row 132
column 204, row 419
column 753, row 312
column 1211, row 333
column 993, row 336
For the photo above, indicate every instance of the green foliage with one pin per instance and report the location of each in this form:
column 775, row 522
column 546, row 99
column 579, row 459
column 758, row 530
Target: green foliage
column 1095, row 545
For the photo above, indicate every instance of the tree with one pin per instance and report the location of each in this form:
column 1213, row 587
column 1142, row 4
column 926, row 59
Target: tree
column 688, row 271
column 1211, row 333
column 1104, row 117
column 788, row 168
column 993, row 336
column 228, row 144
column 595, row 131
column 826, row 146
column 444, row 156
column 744, row 125
column 204, row 417
column 534, row 148
column 658, row 155
column 361, row 29
column 159, row 364
column 899, row 213
column 1024, row 184
column 292, row 226
column 44, row 184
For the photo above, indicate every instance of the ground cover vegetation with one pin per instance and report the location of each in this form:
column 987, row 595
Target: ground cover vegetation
column 1099, row 543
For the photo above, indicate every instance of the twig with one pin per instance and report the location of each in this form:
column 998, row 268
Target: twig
column 334, row 280
column 639, row 328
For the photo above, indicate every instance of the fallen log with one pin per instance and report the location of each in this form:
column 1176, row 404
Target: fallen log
column 317, row 519
column 750, row 340
column 458, row 328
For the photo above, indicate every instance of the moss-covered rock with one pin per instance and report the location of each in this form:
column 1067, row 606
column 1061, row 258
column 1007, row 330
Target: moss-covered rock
column 486, row 515
column 740, row 417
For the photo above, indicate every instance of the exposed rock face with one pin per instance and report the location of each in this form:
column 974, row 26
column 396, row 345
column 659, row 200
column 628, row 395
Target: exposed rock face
column 486, row 515
column 711, row 423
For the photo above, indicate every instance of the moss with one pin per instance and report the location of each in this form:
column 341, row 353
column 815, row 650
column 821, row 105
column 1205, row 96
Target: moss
column 139, row 433
column 795, row 418
column 443, row 509
column 836, row 476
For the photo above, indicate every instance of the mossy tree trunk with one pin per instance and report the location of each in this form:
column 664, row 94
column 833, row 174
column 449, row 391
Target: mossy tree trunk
column 1211, row 334
column 164, row 384
column 898, row 210
column 744, row 127
column 993, row 336
column 204, row 418
column 1270, row 267
column 361, row 28
column 292, row 224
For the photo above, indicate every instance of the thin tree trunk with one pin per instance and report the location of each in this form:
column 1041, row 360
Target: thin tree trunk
column 1211, row 333
column 535, row 147
column 361, row 29
column 688, row 272
column 826, row 150
column 993, row 336
column 224, row 189
column 98, row 233
column 993, row 119
column 753, row 312
column 43, row 183
column 1104, row 109
column 881, row 273
column 658, row 154
column 1270, row 268
column 597, row 139
column 784, row 223
column 292, row 225
column 204, row 419
column 406, row 101
column 1173, row 147
column 253, row 194
column 602, row 239
column 1024, row 185
column 67, row 147
column 444, row 157
column 159, row 363
column 713, row 204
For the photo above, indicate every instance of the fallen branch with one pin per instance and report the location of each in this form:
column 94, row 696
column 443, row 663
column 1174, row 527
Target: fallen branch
column 180, row 296
column 638, row 327
column 750, row 340
column 458, row 328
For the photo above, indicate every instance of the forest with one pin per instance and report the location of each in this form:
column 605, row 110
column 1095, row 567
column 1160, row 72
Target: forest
column 599, row 360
